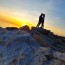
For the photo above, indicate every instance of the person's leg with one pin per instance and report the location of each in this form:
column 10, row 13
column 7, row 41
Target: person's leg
column 42, row 25
column 38, row 23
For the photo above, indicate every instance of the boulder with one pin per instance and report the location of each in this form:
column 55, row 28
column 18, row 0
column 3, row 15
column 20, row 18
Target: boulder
column 26, row 28
column 60, row 56
column 41, row 40
column 42, row 31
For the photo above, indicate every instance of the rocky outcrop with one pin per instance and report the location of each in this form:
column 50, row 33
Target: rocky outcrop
column 41, row 41
column 42, row 31
column 18, row 47
column 11, row 28
column 60, row 56
column 26, row 28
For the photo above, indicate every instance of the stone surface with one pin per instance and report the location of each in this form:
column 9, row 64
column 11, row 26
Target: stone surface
column 19, row 47
column 41, row 40
column 26, row 28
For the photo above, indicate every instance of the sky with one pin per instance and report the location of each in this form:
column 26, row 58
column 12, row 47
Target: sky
column 17, row 13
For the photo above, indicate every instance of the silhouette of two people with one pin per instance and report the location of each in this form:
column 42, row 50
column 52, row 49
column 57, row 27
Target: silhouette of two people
column 41, row 20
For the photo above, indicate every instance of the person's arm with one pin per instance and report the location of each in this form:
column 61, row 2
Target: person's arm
column 39, row 18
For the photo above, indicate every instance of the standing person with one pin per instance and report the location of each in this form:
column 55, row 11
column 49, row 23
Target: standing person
column 41, row 20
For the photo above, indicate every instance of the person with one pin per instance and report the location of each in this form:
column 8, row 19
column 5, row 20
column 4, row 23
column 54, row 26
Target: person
column 41, row 20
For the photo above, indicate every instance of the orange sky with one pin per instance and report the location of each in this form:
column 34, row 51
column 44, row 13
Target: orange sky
column 8, row 20
column 55, row 30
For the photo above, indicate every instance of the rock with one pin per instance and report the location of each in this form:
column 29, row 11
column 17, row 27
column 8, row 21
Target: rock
column 40, row 57
column 60, row 56
column 2, row 42
column 44, row 41
column 11, row 28
column 2, row 31
column 41, row 31
column 54, row 62
column 26, row 28
column 41, row 40
column 20, row 47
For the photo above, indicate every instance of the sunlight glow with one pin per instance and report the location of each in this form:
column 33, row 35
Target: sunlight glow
column 8, row 18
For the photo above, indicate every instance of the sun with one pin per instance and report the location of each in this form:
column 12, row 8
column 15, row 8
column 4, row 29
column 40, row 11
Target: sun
column 24, row 24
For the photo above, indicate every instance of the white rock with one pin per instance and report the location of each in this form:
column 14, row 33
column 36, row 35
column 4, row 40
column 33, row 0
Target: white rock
column 59, row 55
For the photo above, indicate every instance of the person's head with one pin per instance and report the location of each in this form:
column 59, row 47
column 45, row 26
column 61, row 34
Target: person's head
column 42, row 14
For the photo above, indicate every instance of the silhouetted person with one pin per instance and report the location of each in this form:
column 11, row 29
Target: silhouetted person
column 41, row 20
